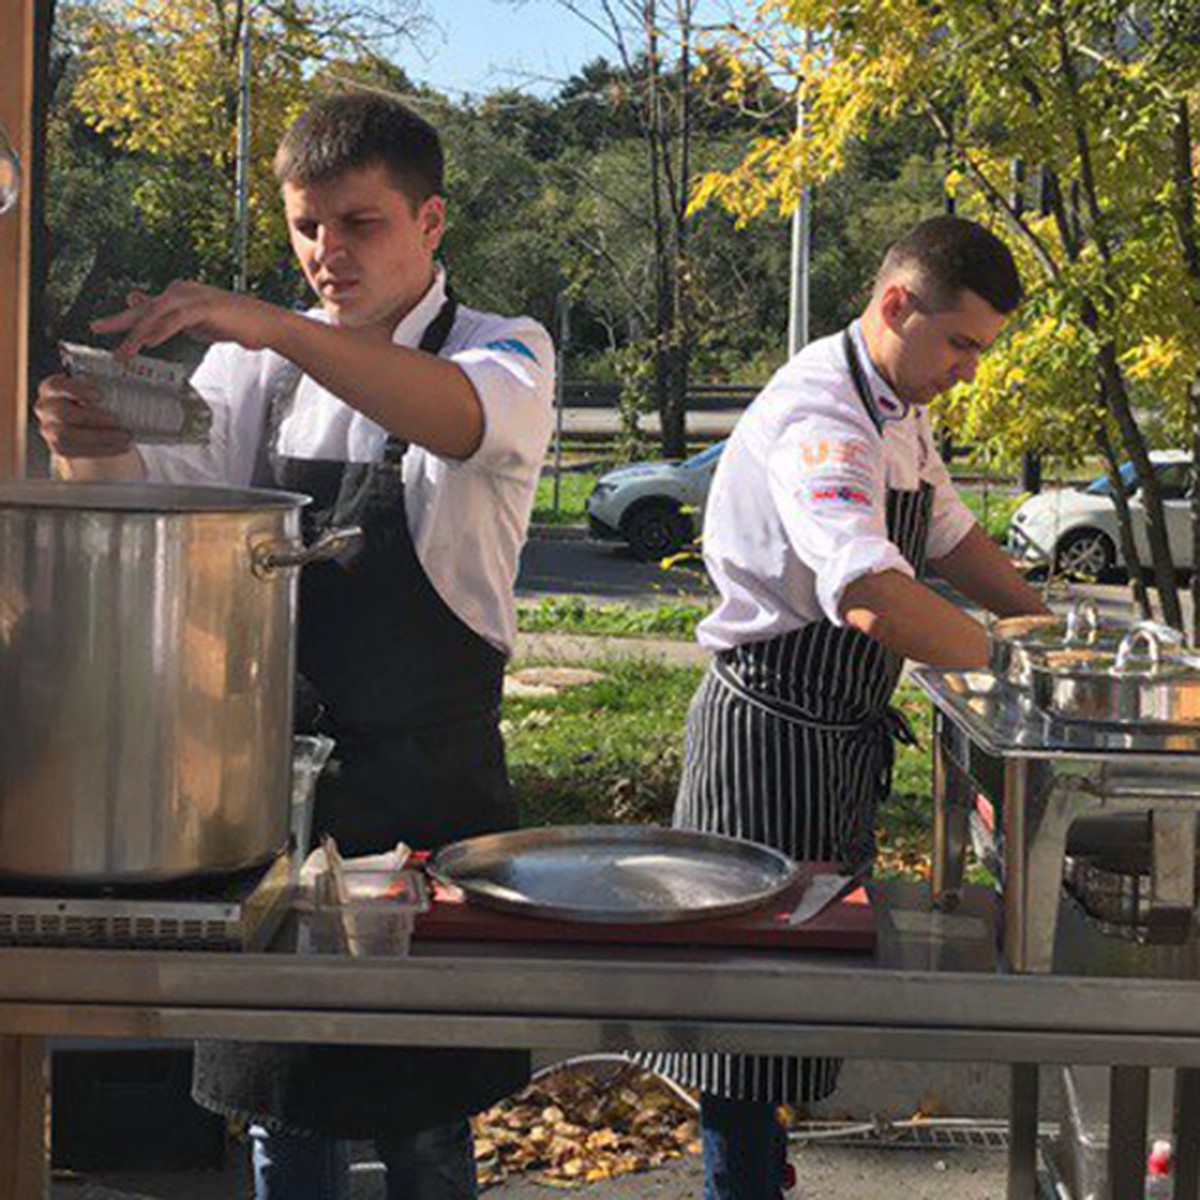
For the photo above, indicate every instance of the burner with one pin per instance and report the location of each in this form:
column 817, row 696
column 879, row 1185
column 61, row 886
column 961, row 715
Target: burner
column 237, row 912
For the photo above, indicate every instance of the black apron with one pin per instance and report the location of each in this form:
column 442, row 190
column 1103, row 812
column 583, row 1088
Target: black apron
column 412, row 697
column 790, row 742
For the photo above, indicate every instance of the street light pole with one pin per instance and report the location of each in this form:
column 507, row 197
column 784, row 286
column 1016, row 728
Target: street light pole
column 798, row 308
column 242, row 211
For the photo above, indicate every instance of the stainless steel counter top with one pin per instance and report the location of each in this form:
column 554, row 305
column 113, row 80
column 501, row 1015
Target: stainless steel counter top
column 932, row 990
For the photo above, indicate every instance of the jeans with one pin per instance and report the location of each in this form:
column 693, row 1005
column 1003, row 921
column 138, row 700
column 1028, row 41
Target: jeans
column 435, row 1164
column 745, row 1149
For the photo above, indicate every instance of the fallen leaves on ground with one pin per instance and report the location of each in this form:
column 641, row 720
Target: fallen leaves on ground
column 582, row 1125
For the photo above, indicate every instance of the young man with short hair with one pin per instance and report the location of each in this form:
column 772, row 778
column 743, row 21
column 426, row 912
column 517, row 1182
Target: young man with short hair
column 829, row 502
column 425, row 422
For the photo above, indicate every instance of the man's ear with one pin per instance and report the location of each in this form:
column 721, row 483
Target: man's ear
column 432, row 220
column 894, row 305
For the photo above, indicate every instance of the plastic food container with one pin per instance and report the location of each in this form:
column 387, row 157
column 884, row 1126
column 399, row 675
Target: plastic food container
column 369, row 912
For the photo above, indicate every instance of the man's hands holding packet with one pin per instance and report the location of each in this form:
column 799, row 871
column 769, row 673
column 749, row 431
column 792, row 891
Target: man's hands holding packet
column 71, row 407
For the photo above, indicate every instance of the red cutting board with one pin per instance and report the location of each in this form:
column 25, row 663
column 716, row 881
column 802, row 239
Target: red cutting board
column 848, row 924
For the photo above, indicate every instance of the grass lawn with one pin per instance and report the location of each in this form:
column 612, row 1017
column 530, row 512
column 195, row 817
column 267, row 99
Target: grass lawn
column 573, row 614
column 612, row 752
column 574, row 489
column 993, row 510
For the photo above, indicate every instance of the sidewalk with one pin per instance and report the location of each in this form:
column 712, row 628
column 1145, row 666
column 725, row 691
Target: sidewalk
column 823, row 1173
column 568, row 648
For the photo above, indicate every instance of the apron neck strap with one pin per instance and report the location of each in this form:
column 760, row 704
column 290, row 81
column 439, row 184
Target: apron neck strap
column 859, row 377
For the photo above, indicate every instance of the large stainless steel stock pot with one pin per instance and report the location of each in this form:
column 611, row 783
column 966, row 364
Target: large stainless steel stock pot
column 147, row 662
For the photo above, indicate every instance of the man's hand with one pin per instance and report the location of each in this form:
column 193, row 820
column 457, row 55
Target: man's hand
column 84, row 438
column 73, row 422
column 205, row 313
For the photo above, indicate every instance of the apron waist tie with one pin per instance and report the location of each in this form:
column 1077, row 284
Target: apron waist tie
column 880, row 731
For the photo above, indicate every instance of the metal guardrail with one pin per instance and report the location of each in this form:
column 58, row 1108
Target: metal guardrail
column 582, row 393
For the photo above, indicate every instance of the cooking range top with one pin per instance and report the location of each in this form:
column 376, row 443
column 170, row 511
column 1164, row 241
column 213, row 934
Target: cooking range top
column 239, row 912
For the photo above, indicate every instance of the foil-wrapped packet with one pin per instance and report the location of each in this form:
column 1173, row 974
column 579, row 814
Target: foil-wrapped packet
column 150, row 397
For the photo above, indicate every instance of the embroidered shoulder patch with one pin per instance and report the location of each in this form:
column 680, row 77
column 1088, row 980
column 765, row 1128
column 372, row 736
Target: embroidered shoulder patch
column 849, row 454
column 512, row 346
column 841, row 495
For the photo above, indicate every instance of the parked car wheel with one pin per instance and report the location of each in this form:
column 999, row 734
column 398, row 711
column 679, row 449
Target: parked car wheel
column 1086, row 552
column 655, row 530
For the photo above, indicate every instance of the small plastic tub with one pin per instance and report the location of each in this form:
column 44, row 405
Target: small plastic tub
column 375, row 916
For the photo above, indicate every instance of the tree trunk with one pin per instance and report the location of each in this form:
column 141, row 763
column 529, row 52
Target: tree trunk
column 1112, row 470
column 1194, row 396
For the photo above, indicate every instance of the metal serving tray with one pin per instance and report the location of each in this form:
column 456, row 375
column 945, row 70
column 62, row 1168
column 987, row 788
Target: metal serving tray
column 614, row 873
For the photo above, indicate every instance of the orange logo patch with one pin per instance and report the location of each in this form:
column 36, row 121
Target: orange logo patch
column 851, row 453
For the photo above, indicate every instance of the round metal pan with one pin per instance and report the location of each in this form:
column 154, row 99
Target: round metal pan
column 614, row 873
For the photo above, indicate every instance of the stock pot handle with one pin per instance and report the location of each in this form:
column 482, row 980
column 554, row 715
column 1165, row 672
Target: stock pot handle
column 270, row 556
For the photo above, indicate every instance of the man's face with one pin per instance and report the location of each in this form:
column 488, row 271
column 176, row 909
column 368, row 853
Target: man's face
column 364, row 251
column 936, row 350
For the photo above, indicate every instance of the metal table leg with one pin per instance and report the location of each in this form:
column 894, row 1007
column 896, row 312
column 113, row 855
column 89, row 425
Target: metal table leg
column 952, row 799
column 23, row 1094
column 1022, row 1131
column 1187, row 1134
column 1128, row 1102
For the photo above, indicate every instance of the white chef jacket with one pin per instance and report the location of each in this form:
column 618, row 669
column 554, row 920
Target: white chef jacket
column 798, row 506
column 468, row 519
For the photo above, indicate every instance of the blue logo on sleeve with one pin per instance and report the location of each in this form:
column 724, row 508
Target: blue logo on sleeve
column 512, row 346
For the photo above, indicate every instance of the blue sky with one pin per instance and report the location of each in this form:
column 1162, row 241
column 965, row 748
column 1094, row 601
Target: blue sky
column 481, row 45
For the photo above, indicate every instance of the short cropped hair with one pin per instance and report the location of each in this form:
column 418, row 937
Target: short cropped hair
column 950, row 254
column 353, row 130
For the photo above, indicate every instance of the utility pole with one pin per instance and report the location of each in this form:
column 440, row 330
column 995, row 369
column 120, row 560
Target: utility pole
column 798, row 308
column 560, row 390
column 242, row 211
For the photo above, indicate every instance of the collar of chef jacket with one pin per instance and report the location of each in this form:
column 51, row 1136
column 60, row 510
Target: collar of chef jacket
column 412, row 328
column 886, row 404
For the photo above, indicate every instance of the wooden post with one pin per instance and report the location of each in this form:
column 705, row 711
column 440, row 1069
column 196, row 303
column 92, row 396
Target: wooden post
column 24, row 1160
column 16, row 114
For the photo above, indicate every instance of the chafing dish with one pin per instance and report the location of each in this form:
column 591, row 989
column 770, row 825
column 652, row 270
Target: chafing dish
column 1144, row 682
column 1016, row 643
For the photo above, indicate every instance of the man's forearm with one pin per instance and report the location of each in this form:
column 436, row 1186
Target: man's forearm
column 415, row 396
column 982, row 572
column 914, row 621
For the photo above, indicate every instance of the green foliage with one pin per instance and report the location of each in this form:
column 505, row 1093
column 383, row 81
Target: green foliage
column 574, row 614
column 993, row 511
column 1083, row 92
column 574, row 489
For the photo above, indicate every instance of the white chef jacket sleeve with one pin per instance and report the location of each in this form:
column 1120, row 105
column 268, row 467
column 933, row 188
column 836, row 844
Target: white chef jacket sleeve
column 211, row 462
column 951, row 520
column 512, row 373
column 827, row 481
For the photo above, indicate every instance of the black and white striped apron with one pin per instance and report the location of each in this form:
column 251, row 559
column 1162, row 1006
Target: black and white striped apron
column 790, row 742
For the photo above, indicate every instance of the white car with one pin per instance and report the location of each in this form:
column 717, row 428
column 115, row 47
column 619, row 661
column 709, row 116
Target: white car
column 1076, row 528
column 657, row 507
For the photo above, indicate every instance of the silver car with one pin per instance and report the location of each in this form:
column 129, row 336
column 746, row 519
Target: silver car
column 657, row 507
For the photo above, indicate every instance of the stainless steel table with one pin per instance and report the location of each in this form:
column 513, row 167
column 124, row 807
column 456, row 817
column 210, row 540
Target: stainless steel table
column 1055, row 785
column 932, row 990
